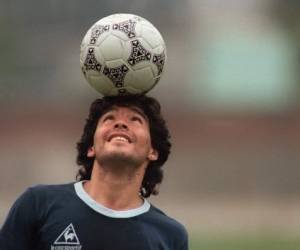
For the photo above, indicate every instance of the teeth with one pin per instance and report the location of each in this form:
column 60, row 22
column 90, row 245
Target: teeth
column 119, row 138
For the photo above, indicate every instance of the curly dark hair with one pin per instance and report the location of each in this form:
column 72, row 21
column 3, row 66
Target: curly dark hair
column 160, row 137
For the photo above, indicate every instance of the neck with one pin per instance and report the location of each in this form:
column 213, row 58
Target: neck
column 116, row 190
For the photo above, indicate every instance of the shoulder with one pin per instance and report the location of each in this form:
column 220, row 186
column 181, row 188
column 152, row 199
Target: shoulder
column 39, row 191
column 169, row 227
column 166, row 220
column 51, row 189
column 41, row 195
column 34, row 201
column 41, row 199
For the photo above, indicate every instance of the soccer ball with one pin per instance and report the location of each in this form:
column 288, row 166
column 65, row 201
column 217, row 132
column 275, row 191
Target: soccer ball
column 122, row 54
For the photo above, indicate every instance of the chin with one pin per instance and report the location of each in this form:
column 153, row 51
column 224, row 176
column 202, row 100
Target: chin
column 119, row 159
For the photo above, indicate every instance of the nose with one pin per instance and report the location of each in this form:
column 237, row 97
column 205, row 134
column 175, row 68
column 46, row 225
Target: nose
column 120, row 125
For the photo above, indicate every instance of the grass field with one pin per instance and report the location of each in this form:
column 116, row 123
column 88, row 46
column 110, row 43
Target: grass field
column 260, row 242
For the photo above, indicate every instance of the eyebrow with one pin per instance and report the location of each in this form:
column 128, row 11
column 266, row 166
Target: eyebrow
column 140, row 112
column 133, row 108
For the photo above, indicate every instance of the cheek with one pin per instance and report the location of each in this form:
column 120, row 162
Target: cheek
column 101, row 131
column 99, row 136
column 146, row 138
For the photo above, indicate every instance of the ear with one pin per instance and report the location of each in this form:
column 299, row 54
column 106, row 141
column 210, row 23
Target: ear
column 91, row 152
column 153, row 155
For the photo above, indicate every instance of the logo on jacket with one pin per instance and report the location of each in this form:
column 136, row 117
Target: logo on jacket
column 67, row 240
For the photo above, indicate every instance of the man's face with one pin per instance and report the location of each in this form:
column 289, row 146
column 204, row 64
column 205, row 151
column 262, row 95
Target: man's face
column 122, row 137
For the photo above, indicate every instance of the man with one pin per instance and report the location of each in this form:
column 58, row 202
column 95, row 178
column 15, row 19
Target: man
column 124, row 144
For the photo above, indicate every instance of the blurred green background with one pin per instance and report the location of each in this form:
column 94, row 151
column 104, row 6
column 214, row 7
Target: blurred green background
column 230, row 94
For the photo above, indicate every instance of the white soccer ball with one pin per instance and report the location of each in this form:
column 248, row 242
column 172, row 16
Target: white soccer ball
column 122, row 54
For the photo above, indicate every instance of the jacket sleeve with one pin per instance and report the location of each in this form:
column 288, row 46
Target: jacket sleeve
column 19, row 229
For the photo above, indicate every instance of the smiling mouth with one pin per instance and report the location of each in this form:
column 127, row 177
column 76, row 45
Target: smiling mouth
column 119, row 138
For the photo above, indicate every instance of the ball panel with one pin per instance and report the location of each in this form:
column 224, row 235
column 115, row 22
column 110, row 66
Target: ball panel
column 133, row 90
column 115, row 63
column 152, row 36
column 100, row 84
column 111, row 48
column 159, row 50
column 144, row 76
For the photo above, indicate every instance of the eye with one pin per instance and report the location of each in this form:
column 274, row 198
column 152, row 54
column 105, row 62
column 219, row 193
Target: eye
column 109, row 117
column 137, row 119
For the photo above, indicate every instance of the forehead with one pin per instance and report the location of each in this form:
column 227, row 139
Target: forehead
column 133, row 109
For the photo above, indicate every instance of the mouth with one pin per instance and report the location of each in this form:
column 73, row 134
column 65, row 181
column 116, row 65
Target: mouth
column 118, row 137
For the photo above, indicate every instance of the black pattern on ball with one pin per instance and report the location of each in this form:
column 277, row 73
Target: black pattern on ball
column 128, row 27
column 97, row 30
column 138, row 53
column 91, row 62
column 159, row 61
column 116, row 75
